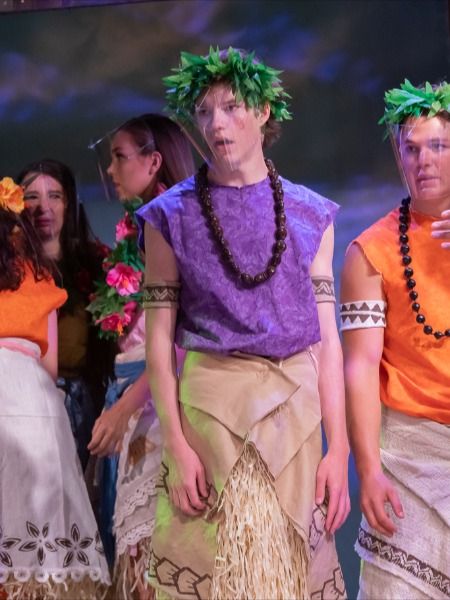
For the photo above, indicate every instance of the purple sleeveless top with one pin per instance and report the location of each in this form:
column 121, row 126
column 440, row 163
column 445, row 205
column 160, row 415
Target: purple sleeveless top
column 276, row 318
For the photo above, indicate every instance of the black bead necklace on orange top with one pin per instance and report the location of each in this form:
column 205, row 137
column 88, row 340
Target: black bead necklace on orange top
column 404, row 223
column 204, row 195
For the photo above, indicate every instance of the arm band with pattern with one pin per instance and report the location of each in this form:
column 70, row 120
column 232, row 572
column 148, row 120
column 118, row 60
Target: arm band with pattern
column 363, row 314
column 323, row 287
column 161, row 294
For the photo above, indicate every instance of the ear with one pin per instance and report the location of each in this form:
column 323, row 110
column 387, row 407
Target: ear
column 264, row 114
column 155, row 162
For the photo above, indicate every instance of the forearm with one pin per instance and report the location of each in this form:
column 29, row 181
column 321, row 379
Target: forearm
column 135, row 396
column 50, row 360
column 160, row 323
column 363, row 414
column 331, row 391
column 164, row 385
column 163, row 381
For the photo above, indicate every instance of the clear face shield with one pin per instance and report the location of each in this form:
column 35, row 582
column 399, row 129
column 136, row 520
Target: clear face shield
column 122, row 162
column 422, row 151
column 45, row 202
column 223, row 130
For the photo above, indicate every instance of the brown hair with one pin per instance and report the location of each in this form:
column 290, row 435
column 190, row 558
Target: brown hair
column 76, row 235
column 15, row 253
column 152, row 132
column 272, row 132
column 272, row 128
column 77, row 270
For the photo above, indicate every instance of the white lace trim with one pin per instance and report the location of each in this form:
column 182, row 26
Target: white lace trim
column 135, row 536
column 24, row 574
column 126, row 506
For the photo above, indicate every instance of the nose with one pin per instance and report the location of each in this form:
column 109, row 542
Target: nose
column 109, row 170
column 218, row 119
column 425, row 157
column 43, row 203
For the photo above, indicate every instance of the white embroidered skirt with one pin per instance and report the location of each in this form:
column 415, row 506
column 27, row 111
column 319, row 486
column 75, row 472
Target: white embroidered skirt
column 48, row 534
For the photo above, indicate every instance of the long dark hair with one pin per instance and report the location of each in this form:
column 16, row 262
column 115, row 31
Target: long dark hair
column 79, row 266
column 152, row 132
column 19, row 246
column 76, row 237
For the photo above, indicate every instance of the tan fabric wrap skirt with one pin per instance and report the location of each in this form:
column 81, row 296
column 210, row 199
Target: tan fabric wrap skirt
column 228, row 402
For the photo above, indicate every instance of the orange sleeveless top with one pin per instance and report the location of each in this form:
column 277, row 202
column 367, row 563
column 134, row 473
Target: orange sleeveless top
column 415, row 368
column 24, row 313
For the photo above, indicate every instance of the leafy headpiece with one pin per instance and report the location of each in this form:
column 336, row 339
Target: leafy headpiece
column 251, row 81
column 410, row 101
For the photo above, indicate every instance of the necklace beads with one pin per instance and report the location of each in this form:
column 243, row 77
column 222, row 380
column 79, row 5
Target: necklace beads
column 403, row 227
column 279, row 246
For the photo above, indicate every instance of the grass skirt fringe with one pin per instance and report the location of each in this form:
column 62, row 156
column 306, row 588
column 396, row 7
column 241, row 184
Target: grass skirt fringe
column 129, row 574
column 86, row 589
column 259, row 555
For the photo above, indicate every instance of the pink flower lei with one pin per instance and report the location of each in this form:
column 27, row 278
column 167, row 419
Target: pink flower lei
column 116, row 299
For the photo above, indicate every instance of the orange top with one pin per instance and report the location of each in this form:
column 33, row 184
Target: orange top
column 24, row 313
column 415, row 367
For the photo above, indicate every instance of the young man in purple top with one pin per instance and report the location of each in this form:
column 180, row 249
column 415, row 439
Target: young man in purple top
column 239, row 273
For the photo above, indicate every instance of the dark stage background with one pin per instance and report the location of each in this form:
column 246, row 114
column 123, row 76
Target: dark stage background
column 67, row 76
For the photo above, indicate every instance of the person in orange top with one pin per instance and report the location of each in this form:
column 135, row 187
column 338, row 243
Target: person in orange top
column 396, row 328
column 49, row 542
column 84, row 361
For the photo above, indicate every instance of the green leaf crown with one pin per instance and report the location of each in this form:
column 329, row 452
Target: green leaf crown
column 410, row 101
column 251, row 81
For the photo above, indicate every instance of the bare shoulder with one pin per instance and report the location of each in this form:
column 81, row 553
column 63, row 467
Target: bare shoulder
column 323, row 261
column 160, row 261
column 359, row 279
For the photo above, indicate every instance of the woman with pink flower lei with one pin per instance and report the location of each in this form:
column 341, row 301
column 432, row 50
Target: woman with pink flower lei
column 146, row 155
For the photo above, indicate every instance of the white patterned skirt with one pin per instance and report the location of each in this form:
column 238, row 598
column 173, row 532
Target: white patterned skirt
column 49, row 542
column 414, row 563
column 134, row 513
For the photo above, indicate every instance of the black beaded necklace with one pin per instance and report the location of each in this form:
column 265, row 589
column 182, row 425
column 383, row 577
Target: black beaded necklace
column 404, row 223
column 204, row 195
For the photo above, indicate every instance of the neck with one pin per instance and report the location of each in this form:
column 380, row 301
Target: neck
column 246, row 173
column 150, row 192
column 52, row 248
column 433, row 208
